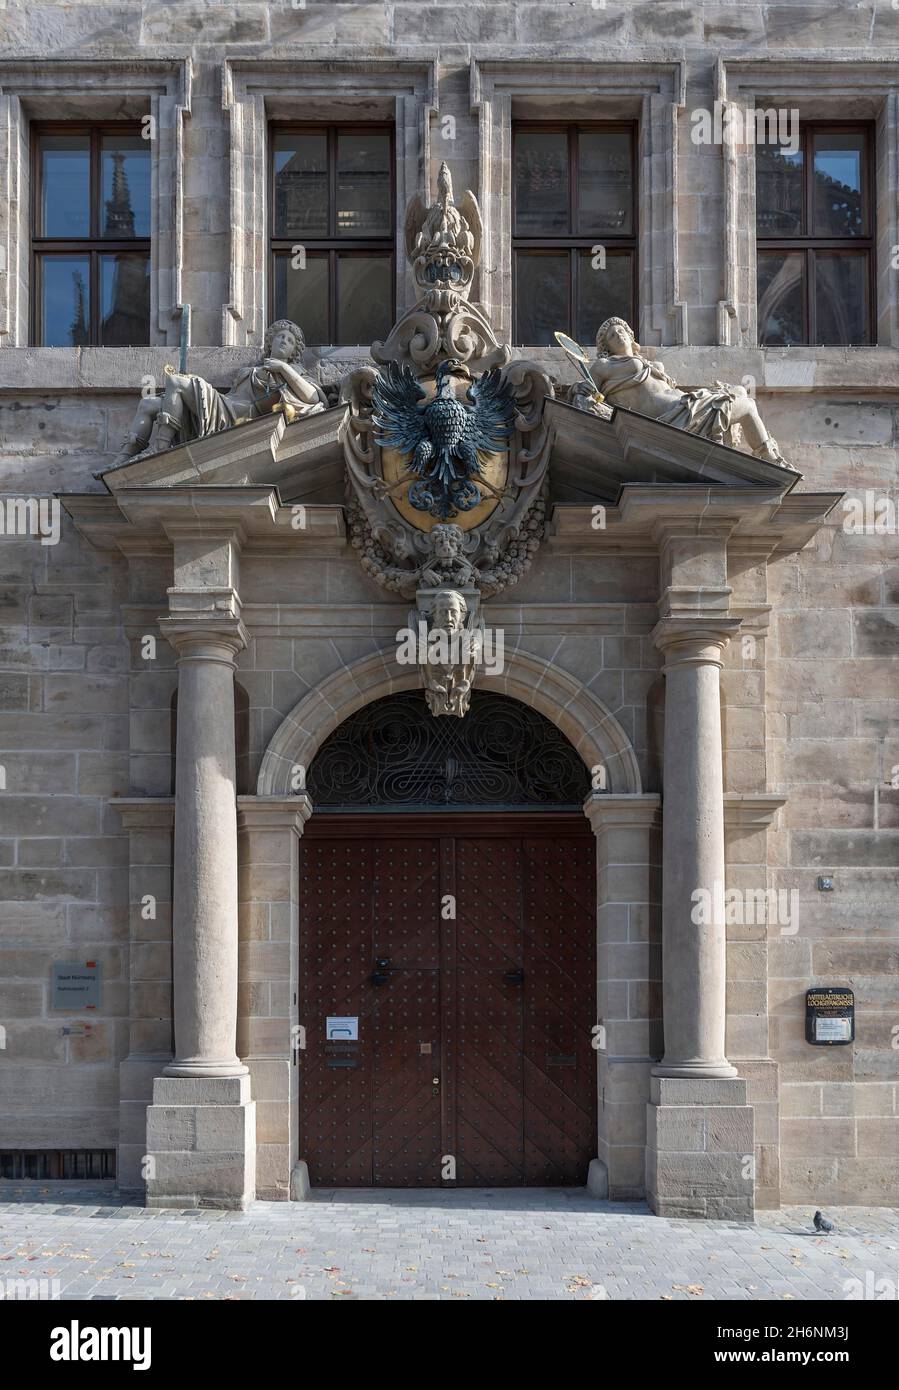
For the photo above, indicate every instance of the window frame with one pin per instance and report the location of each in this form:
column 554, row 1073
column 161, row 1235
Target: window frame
column 92, row 246
column 332, row 244
column 576, row 242
column 809, row 245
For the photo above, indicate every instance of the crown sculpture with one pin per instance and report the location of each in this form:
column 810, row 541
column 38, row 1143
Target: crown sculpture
column 446, row 451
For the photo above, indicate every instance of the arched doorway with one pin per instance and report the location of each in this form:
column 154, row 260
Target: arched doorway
column 447, row 952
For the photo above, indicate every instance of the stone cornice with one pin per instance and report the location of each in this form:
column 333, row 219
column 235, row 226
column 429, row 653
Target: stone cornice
column 745, row 811
column 145, row 812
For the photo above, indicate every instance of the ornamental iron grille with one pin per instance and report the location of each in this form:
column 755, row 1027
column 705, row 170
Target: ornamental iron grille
column 394, row 753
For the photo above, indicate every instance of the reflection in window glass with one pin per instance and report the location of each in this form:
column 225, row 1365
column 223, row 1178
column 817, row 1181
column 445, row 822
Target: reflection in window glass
column 605, row 192
column 302, row 295
column 364, row 298
column 124, row 299
column 363, row 185
column 64, row 208
column 840, row 298
column 778, row 191
column 838, row 208
column 603, row 293
column 541, row 292
column 541, row 182
column 781, row 298
column 64, row 311
column 301, row 184
column 125, row 178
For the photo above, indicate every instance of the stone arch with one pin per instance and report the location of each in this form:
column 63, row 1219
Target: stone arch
column 585, row 721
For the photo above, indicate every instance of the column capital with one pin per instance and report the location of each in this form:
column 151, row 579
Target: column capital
column 273, row 812
column 694, row 641
column 205, row 635
column 606, row 811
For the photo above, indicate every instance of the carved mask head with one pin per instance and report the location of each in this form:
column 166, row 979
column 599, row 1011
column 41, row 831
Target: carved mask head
column 448, row 611
column 446, row 541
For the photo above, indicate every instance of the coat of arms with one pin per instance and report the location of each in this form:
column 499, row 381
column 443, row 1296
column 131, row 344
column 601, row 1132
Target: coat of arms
column 445, row 443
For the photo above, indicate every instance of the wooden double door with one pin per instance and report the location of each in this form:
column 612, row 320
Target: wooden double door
column 460, row 951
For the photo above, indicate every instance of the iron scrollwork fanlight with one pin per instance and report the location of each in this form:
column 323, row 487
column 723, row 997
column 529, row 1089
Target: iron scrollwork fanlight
column 392, row 754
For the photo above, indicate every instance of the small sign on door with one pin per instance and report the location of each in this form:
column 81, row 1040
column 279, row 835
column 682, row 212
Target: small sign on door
column 342, row 1029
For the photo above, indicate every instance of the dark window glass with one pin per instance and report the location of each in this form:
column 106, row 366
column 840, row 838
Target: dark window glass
column 574, row 242
column 64, row 205
column 63, row 284
column 91, row 242
column 364, row 297
column 603, row 291
column 301, row 294
column 363, row 184
column 541, row 182
column 301, row 184
column 124, row 298
column 778, row 191
column 541, row 282
column 125, row 166
column 781, row 286
column 333, row 212
column 840, row 208
column 605, row 182
column 840, row 289
column 813, row 229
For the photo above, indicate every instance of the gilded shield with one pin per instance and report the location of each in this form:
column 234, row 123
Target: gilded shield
column 394, row 468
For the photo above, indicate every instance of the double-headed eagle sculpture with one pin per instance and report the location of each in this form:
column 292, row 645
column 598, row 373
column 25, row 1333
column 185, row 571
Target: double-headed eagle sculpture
column 446, row 436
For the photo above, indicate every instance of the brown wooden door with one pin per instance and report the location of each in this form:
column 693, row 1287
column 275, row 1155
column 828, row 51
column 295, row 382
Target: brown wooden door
column 474, row 1055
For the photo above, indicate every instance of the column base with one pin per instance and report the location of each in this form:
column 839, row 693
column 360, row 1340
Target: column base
column 715, row 1071
column 204, row 1069
column 700, row 1149
column 201, row 1143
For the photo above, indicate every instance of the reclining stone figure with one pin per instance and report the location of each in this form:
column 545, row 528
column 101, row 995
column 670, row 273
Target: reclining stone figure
column 624, row 377
column 191, row 408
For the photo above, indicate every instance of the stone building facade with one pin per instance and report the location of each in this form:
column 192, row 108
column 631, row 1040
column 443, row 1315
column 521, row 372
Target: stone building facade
column 723, row 647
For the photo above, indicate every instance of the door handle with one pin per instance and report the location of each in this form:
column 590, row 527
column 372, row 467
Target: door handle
column 381, row 973
column 514, row 977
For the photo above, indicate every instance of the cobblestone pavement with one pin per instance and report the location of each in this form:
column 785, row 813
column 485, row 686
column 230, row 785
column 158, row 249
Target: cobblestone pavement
column 496, row 1244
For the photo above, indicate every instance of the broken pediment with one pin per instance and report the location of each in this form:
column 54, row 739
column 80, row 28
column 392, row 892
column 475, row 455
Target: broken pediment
column 591, row 458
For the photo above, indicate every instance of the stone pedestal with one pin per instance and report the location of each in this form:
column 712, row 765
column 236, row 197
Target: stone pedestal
column 201, row 1142
column 699, row 1148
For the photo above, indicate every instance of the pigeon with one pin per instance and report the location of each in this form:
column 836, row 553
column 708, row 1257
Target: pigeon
column 823, row 1225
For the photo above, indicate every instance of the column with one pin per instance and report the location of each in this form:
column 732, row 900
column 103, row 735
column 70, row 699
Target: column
column 205, row 870
column 201, row 1127
column 700, row 1136
column 693, row 935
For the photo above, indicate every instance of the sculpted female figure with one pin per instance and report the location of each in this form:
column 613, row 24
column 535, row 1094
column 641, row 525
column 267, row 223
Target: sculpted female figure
column 190, row 408
column 627, row 378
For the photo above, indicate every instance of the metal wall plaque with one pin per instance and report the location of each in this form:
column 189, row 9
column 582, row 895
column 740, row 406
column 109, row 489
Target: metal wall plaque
column 76, row 985
column 342, row 1029
column 830, row 1016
